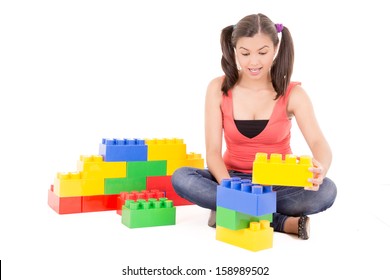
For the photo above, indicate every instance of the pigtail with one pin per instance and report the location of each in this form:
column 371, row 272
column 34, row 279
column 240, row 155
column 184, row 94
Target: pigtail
column 228, row 60
column 282, row 68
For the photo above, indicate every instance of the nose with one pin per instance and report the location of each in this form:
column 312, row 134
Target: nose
column 254, row 61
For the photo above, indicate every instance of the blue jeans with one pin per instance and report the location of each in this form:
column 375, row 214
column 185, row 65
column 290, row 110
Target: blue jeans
column 200, row 187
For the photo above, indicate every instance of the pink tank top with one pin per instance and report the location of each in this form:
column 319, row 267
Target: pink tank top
column 275, row 138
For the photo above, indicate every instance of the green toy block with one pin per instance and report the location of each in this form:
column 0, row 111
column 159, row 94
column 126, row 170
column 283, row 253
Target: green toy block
column 151, row 213
column 143, row 169
column 136, row 174
column 118, row 185
column 235, row 220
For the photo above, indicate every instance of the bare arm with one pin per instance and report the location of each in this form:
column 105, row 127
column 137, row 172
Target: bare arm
column 301, row 107
column 213, row 131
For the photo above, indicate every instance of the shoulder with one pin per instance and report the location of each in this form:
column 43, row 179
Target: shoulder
column 297, row 98
column 215, row 84
column 214, row 88
column 298, row 92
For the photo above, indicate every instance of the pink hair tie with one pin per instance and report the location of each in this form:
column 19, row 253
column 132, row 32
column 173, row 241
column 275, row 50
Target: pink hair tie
column 279, row 27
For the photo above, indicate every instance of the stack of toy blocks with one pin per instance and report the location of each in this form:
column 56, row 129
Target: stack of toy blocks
column 123, row 165
column 245, row 208
column 244, row 213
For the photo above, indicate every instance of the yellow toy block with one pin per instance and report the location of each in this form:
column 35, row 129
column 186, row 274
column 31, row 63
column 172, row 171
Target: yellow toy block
column 192, row 160
column 68, row 184
column 93, row 187
column 166, row 149
column 94, row 167
column 73, row 184
column 258, row 236
column 275, row 171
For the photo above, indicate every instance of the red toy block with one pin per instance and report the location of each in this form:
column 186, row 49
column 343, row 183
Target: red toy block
column 64, row 205
column 95, row 203
column 164, row 183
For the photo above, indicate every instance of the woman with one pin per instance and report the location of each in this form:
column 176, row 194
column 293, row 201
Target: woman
column 251, row 106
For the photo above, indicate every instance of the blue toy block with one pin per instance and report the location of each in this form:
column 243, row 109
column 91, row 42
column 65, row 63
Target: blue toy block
column 123, row 149
column 245, row 197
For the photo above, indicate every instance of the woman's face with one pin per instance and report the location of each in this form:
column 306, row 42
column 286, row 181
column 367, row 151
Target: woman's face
column 255, row 55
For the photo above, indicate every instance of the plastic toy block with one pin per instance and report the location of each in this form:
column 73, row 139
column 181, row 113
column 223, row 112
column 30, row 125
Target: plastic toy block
column 136, row 174
column 164, row 183
column 191, row 160
column 72, row 184
column 123, row 149
column 134, row 195
column 275, row 171
column 166, row 149
column 68, row 184
column 93, row 187
column 146, row 168
column 96, row 203
column 95, row 167
column 154, row 212
column 258, row 236
column 64, row 205
column 245, row 197
column 118, row 185
column 234, row 220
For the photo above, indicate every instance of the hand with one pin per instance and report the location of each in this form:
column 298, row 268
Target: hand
column 318, row 176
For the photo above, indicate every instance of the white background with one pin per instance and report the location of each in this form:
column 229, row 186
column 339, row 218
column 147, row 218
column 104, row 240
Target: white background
column 73, row 72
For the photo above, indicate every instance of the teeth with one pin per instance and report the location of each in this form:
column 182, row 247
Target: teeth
column 254, row 69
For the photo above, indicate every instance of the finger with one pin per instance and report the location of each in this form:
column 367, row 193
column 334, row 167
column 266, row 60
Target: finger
column 317, row 170
column 313, row 188
column 315, row 162
column 316, row 181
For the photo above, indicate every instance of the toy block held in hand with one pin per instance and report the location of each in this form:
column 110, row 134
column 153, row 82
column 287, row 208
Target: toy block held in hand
column 292, row 171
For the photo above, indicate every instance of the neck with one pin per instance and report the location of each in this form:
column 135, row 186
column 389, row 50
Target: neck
column 255, row 84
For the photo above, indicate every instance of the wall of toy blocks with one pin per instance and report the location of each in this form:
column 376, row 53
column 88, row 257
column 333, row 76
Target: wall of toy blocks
column 121, row 166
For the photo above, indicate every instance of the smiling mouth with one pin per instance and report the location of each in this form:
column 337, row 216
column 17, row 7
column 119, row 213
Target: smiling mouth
column 254, row 70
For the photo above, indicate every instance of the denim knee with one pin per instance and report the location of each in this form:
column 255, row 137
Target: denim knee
column 329, row 193
column 195, row 185
column 322, row 199
column 178, row 178
column 293, row 201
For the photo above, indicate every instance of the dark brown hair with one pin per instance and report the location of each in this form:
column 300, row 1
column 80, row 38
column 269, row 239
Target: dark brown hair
column 249, row 26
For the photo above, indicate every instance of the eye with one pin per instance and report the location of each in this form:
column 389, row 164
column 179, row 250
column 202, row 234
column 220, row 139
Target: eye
column 245, row 54
column 262, row 53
